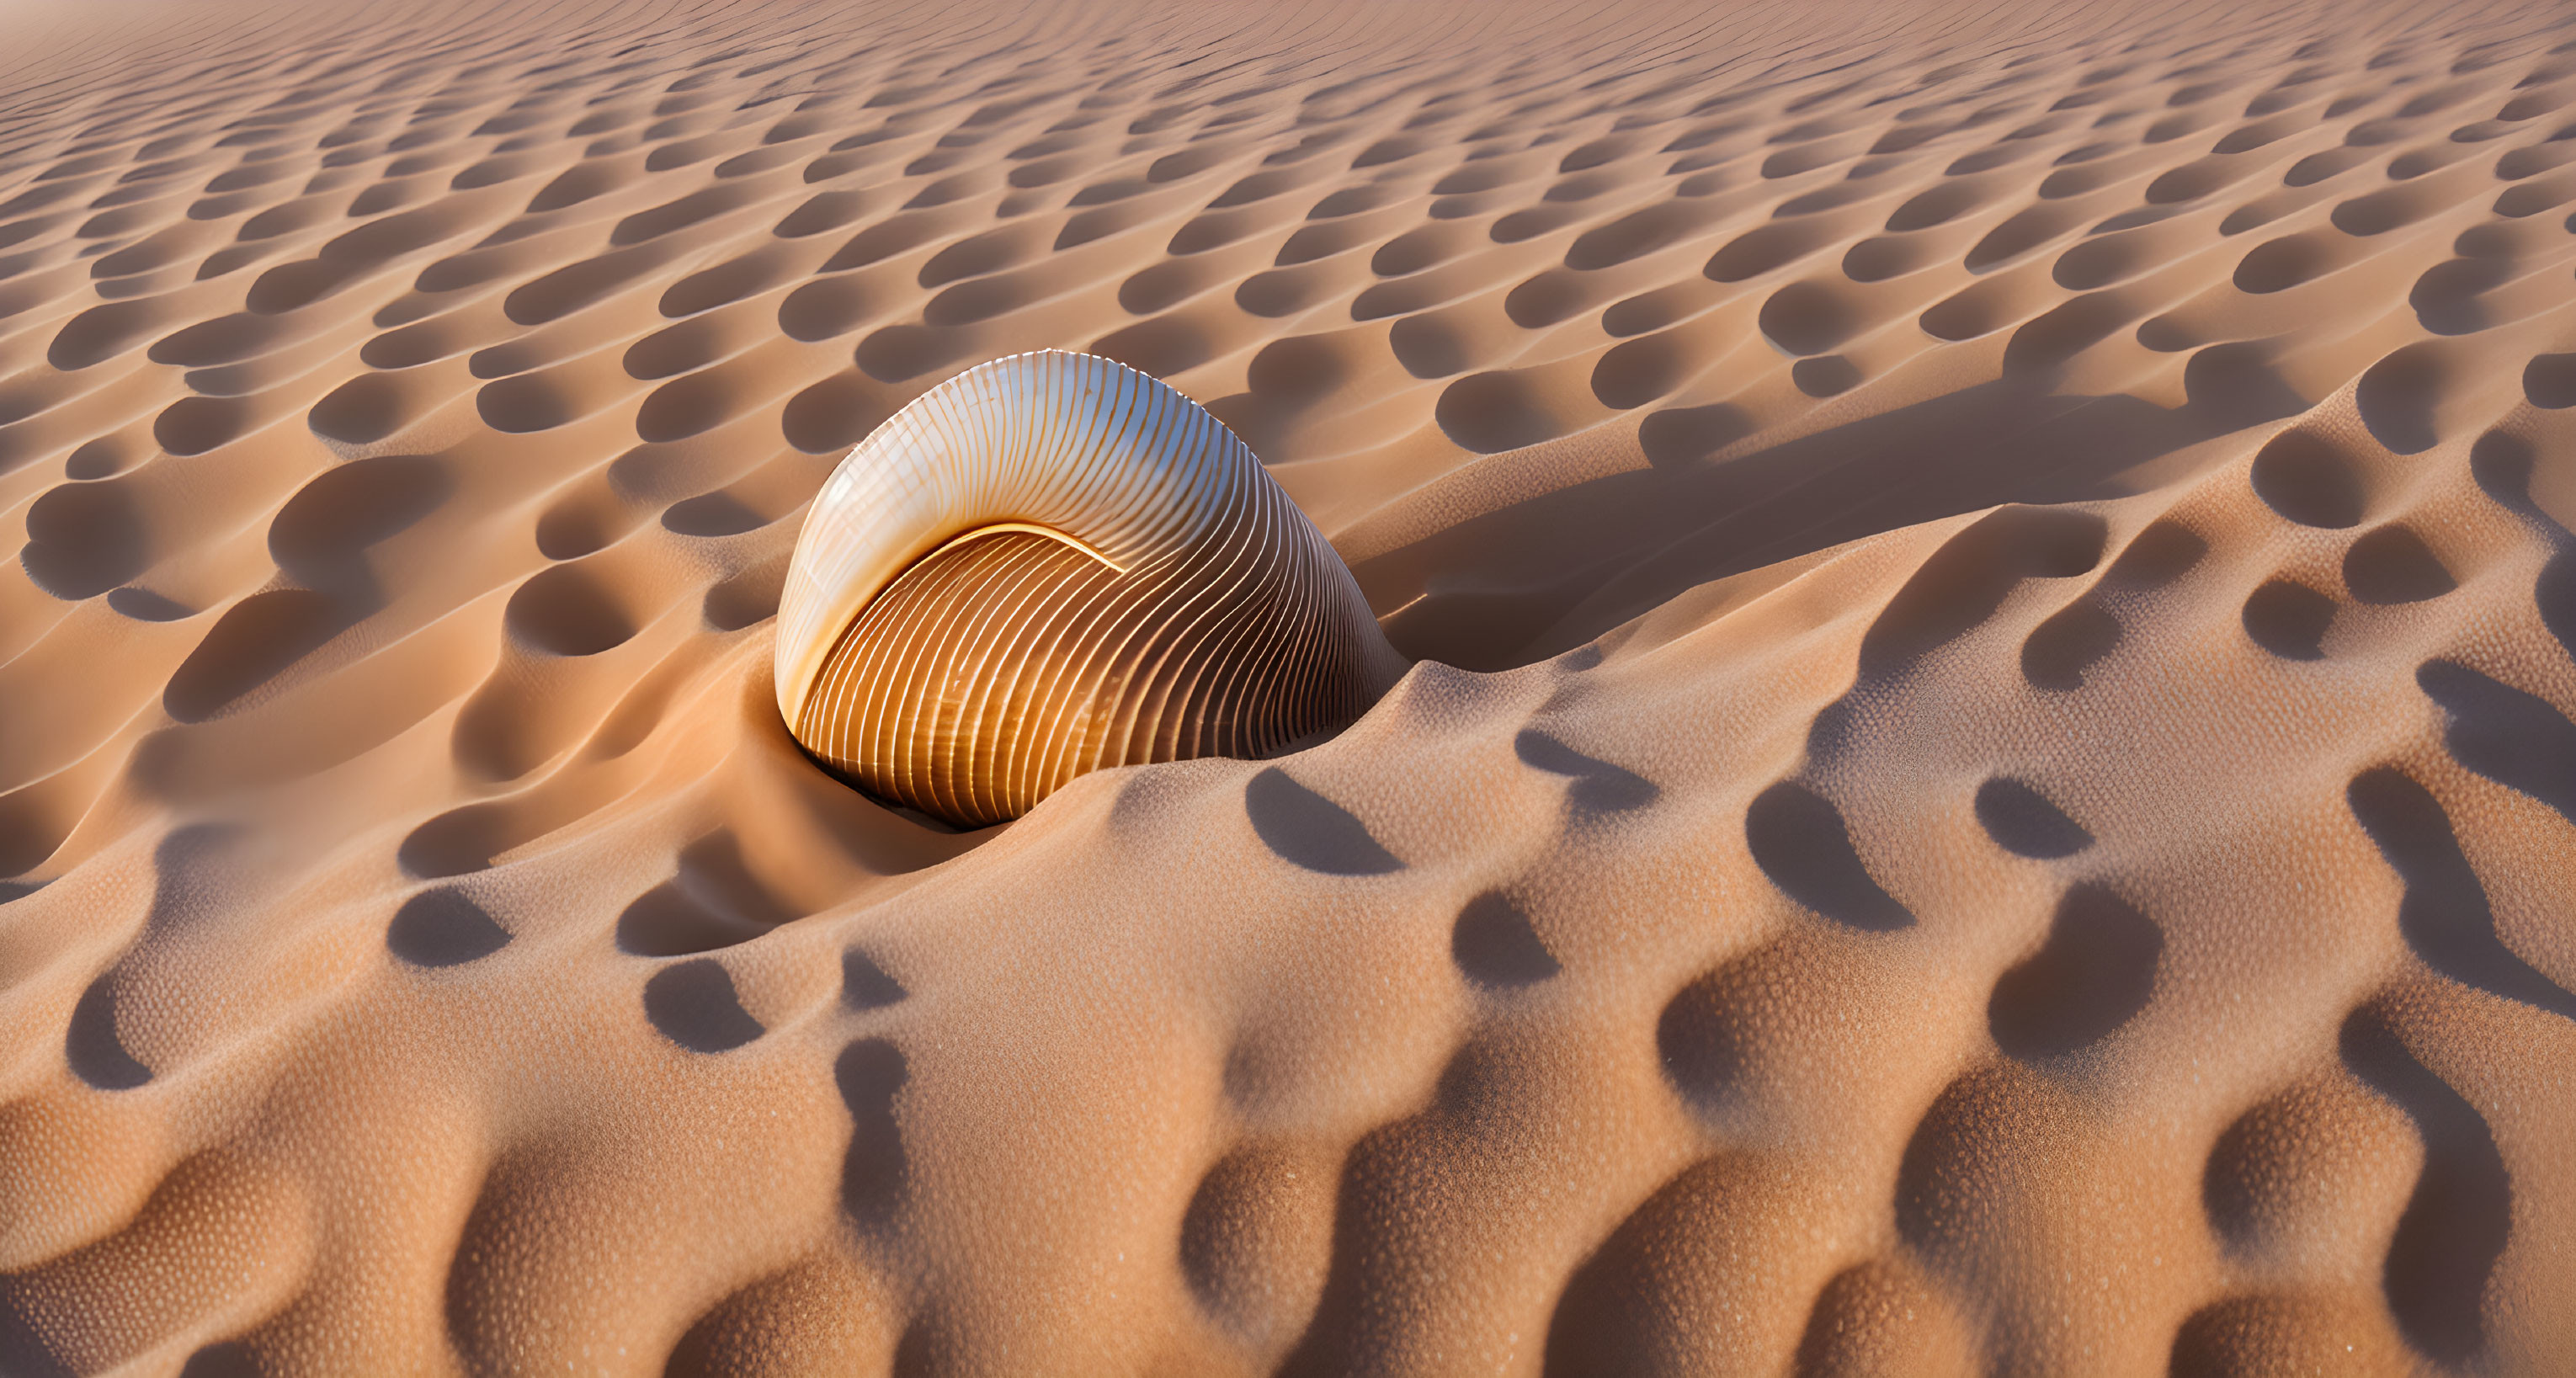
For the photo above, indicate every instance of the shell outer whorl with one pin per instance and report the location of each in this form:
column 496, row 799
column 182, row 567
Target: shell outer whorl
column 1051, row 564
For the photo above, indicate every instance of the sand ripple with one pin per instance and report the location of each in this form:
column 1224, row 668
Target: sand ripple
column 1992, row 788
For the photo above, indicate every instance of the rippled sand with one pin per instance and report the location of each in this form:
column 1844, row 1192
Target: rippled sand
column 1990, row 789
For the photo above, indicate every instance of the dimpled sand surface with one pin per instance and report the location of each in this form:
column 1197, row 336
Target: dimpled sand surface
column 1989, row 787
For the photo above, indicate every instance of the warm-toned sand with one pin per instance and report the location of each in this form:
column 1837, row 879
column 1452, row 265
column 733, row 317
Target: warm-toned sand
column 1989, row 791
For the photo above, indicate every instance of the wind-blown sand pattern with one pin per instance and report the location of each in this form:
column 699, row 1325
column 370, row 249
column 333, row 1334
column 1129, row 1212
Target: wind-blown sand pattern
column 1990, row 787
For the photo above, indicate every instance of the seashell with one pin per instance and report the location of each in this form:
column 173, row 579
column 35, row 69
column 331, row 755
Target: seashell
column 1052, row 564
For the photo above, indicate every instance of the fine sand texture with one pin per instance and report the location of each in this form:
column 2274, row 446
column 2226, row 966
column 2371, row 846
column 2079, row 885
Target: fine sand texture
column 1988, row 786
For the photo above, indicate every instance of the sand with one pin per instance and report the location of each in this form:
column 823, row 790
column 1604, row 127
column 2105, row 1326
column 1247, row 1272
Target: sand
column 1989, row 787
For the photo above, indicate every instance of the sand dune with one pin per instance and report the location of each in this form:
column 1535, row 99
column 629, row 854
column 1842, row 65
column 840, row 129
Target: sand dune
column 1990, row 787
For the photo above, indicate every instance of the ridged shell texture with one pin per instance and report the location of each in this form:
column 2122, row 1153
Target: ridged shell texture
column 1052, row 564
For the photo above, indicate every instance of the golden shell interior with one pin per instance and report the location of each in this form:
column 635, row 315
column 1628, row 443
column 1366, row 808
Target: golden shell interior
column 1051, row 564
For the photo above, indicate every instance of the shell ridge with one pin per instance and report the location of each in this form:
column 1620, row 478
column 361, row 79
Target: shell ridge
column 948, row 635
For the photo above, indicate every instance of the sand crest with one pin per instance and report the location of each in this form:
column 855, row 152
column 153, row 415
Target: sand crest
column 1990, row 787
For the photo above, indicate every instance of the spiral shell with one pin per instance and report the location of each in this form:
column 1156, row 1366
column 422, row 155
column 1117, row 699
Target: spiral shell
column 1051, row 564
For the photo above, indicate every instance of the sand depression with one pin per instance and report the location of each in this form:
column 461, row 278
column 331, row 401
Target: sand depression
column 1988, row 785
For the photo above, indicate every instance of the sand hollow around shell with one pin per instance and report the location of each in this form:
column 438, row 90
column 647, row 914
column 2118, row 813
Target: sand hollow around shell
column 1990, row 785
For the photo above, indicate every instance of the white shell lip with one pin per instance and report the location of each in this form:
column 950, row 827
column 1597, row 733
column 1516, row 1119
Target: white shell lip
column 1076, row 444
